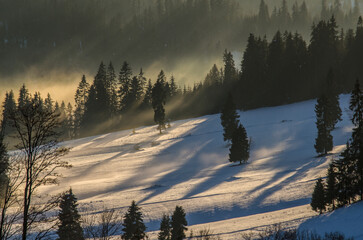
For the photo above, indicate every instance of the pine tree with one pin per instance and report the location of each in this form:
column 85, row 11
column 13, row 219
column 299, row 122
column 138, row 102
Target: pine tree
column 324, row 140
column 165, row 228
column 318, row 197
column 229, row 118
column 158, row 97
column 48, row 103
column 133, row 225
column 178, row 224
column 240, row 148
column 69, row 218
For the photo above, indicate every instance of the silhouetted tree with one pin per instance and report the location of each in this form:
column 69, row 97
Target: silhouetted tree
column 324, row 140
column 318, row 198
column 158, row 97
column 229, row 118
column 165, row 228
column 331, row 190
column 69, row 218
column 133, row 225
column 240, row 148
column 80, row 99
column 178, row 224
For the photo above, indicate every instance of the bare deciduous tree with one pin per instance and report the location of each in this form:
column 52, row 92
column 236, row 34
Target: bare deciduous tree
column 102, row 226
column 35, row 128
column 10, row 199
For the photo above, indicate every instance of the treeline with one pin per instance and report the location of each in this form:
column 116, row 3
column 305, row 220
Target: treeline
column 284, row 70
column 72, row 34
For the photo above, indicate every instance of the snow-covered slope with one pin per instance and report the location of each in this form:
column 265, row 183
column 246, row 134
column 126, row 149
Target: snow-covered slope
column 188, row 166
column 348, row 220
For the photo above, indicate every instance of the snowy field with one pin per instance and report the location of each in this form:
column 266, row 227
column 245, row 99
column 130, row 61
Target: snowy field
column 188, row 166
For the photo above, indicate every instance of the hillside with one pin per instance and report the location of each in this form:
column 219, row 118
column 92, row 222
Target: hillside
column 188, row 166
column 347, row 220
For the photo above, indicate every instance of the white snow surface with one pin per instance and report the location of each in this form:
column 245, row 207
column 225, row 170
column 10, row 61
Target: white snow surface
column 348, row 220
column 188, row 165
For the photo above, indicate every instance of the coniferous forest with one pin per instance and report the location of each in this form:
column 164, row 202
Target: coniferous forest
column 284, row 70
column 281, row 53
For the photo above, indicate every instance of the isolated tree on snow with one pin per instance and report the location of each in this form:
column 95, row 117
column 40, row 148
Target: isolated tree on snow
column 158, row 97
column 165, row 228
column 240, row 148
column 318, row 198
column 133, row 226
column 178, row 224
column 69, row 218
column 229, row 118
column 324, row 140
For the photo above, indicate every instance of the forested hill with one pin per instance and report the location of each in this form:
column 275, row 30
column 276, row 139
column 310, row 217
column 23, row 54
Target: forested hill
column 77, row 34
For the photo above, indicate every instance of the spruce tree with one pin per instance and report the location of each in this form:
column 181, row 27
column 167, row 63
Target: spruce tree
column 80, row 99
column 136, row 91
column 346, row 176
column 48, row 103
column 240, row 148
column 112, row 89
column 70, row 121
column 142, row 80
column 24, row 96
column 9, row 106
column 165, row 228
column 69, row 218
column 230, row 72
column 147, row 101
column 158, row 97
column 178, row 224
column 324, row 140
column 318, row 197
column 356, row 106
column 331, row 190
column 133, row 225
column 333, row 111
column 229, row 118
column 173, row 87
column 125, row 77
